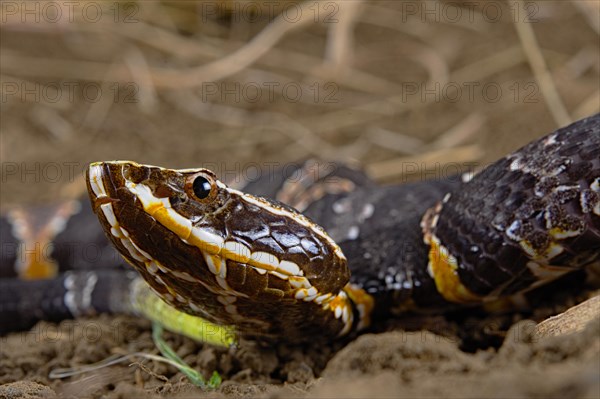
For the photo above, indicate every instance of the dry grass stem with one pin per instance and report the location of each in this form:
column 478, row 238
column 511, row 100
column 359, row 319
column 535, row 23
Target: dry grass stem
column 590, row 10
column 460, row 133
column 140, row 71
column 340, row 37
column 540, row 70
column 396, row 141
column 589, row 106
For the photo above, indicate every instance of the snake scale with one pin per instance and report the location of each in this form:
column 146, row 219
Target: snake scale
column 357, row 254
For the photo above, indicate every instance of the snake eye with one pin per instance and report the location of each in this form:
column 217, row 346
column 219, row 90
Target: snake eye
column 201, row 187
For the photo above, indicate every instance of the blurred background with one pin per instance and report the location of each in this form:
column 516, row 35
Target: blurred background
column 404, row 89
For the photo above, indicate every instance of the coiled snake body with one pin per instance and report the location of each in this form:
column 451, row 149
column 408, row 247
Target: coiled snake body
column 238, row 259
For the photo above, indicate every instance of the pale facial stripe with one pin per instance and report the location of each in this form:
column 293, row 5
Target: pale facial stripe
column 95, row 178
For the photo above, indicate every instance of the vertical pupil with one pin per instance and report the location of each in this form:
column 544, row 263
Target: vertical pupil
column 201, row 187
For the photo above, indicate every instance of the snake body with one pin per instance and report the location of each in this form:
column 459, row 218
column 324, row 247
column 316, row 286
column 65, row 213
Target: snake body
column 357, row 253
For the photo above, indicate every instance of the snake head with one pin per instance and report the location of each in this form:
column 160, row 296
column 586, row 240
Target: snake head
column 223, row 255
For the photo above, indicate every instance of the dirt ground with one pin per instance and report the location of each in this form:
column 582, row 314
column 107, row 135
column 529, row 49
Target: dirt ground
column 407, row 90
column 397, row 363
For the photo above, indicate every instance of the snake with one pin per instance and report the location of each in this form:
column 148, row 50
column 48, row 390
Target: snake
column 302, row 257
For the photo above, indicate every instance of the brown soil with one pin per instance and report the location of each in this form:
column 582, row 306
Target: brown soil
column 368, row 123
column 390, row 364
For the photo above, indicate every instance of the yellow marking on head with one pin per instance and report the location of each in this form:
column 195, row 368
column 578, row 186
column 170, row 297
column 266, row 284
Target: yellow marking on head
column 264, row 260
column 161, row 210
column 444, row 270
column 210, row 246
column 236, row 252
column 153, row 207
column 299, row 282
column 165, row 217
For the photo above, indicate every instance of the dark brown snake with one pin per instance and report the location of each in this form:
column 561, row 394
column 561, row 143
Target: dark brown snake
column 235, row 258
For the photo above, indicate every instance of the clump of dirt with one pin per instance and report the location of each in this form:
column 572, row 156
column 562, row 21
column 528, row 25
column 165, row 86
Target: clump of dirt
column 397, row 364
